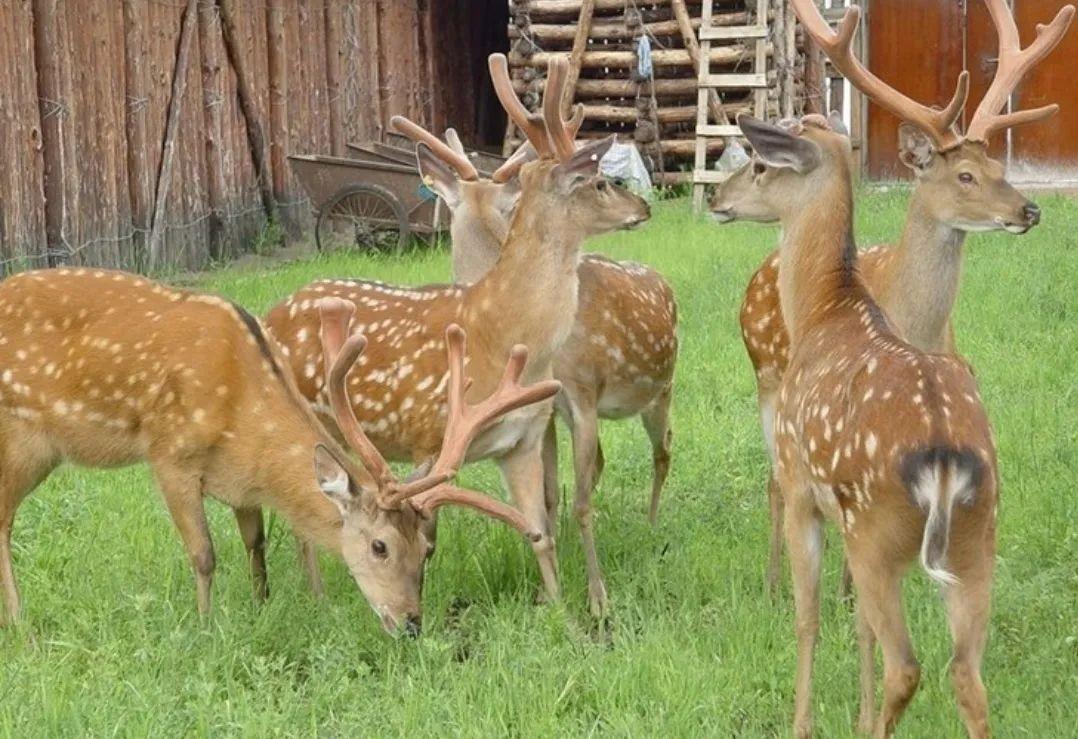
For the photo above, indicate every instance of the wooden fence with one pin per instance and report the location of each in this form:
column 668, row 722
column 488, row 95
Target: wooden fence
column 154, row 134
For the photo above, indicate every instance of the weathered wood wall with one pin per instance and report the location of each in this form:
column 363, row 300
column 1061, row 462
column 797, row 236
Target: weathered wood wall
column 87, row 93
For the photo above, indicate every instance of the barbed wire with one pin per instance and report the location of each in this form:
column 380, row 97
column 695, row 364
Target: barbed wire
column 53, row 253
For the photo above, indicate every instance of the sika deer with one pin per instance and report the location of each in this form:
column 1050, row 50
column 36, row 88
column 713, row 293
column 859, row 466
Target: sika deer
column 530, row 298
column 889, row 442
column 618, row 361
column 958, row 189
column 106, row 369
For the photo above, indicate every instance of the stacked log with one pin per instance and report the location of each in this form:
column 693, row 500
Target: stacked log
column 603, row 40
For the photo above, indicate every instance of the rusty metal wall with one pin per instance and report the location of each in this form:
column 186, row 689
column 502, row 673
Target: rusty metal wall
column 83, row 116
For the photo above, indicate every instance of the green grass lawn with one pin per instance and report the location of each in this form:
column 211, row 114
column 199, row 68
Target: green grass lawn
column 111, row 643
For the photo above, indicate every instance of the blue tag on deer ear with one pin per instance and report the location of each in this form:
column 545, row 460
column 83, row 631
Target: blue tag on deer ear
column 425, row 193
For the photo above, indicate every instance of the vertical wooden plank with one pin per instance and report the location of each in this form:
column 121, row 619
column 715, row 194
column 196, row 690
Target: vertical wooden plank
column 278, row 101
column 139, row 168
column 22, row 206
column 168, row 156
column 209, row 31
column 332, row 19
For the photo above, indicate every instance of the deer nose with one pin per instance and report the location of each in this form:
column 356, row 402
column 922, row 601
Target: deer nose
column 1032, row 212
column 413, row 625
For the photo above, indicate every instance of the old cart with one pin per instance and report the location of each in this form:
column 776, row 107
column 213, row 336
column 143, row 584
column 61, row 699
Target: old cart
column 374, row 199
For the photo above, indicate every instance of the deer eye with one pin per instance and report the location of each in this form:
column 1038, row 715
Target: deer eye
column 759, row 168
column 378, row 547
column 965, row 178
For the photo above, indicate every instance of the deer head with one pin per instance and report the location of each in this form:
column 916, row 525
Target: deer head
column 483, row 208
column 385, row 533
column 959, row 184
column 791, row 158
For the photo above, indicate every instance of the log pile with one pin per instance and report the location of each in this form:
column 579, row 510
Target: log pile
column 603, row 39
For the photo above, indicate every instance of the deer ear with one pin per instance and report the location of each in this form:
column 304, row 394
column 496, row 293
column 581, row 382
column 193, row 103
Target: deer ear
column 777, row 147
column 333, row 479
column 915, row 149
column 438, row 176
column 585, row 161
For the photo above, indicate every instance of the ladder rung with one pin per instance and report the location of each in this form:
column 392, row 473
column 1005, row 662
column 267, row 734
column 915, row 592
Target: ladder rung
column 732, row 32
column 714, row 129
column 734, row 80
column 709, row 176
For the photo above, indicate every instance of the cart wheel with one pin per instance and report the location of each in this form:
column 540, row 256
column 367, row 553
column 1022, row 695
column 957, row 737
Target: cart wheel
column 362, row 216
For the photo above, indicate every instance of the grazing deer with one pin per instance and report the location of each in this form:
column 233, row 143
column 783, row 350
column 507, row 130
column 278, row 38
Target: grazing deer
column 958, row 189
column 889, row 442
column 618, row 360
column 105, row 369
column 529, row 298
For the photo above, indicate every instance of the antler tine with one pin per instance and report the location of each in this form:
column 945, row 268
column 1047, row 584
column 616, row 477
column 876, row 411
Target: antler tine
column 488, row 506
column 572, row 126
column 503, row 86
column 937, row 124
column 339, row 354
column 524, row 154
column 458, row 161
column 557, row 75
column 1014, row 64
column 453, row 139
column 465, row 421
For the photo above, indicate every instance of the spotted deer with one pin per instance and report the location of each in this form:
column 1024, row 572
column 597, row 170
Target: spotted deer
column 618, row 360
column 530, row 298
column 889, row 442
column 105, row 369
column 958, row 189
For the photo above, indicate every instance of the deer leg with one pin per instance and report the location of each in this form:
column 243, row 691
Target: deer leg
column 551, row 491
column 308, row 555
column 866, row 644
column 845, row 583
column 768, row 397
column 585, row 427
column 656, row 418
column 774, row 562
column 21, row 470
column 249, row 521
column 522, row 469
column 182, row 491
column 968, row 605
column 878, row 580
column 803, row 527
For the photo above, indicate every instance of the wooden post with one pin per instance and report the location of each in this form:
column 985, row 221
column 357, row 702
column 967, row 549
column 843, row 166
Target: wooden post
column 168, row 148
column 580, row 44
column 256, row 140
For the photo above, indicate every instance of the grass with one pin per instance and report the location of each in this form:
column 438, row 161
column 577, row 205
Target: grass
column 111, row 644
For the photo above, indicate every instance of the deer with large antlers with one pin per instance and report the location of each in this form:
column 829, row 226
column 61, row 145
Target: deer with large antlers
column 618, row 360
column 891, row 443
column 105, row 369
column 398, row 391
column 958, row 189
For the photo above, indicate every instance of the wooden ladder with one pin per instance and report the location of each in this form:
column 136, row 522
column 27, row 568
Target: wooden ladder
column 710, row 85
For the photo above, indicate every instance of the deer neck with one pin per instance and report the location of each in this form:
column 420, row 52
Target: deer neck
column 529, row 295
column 476, row 249
column 275, row 452
column 919, row 293
column 818, row 255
